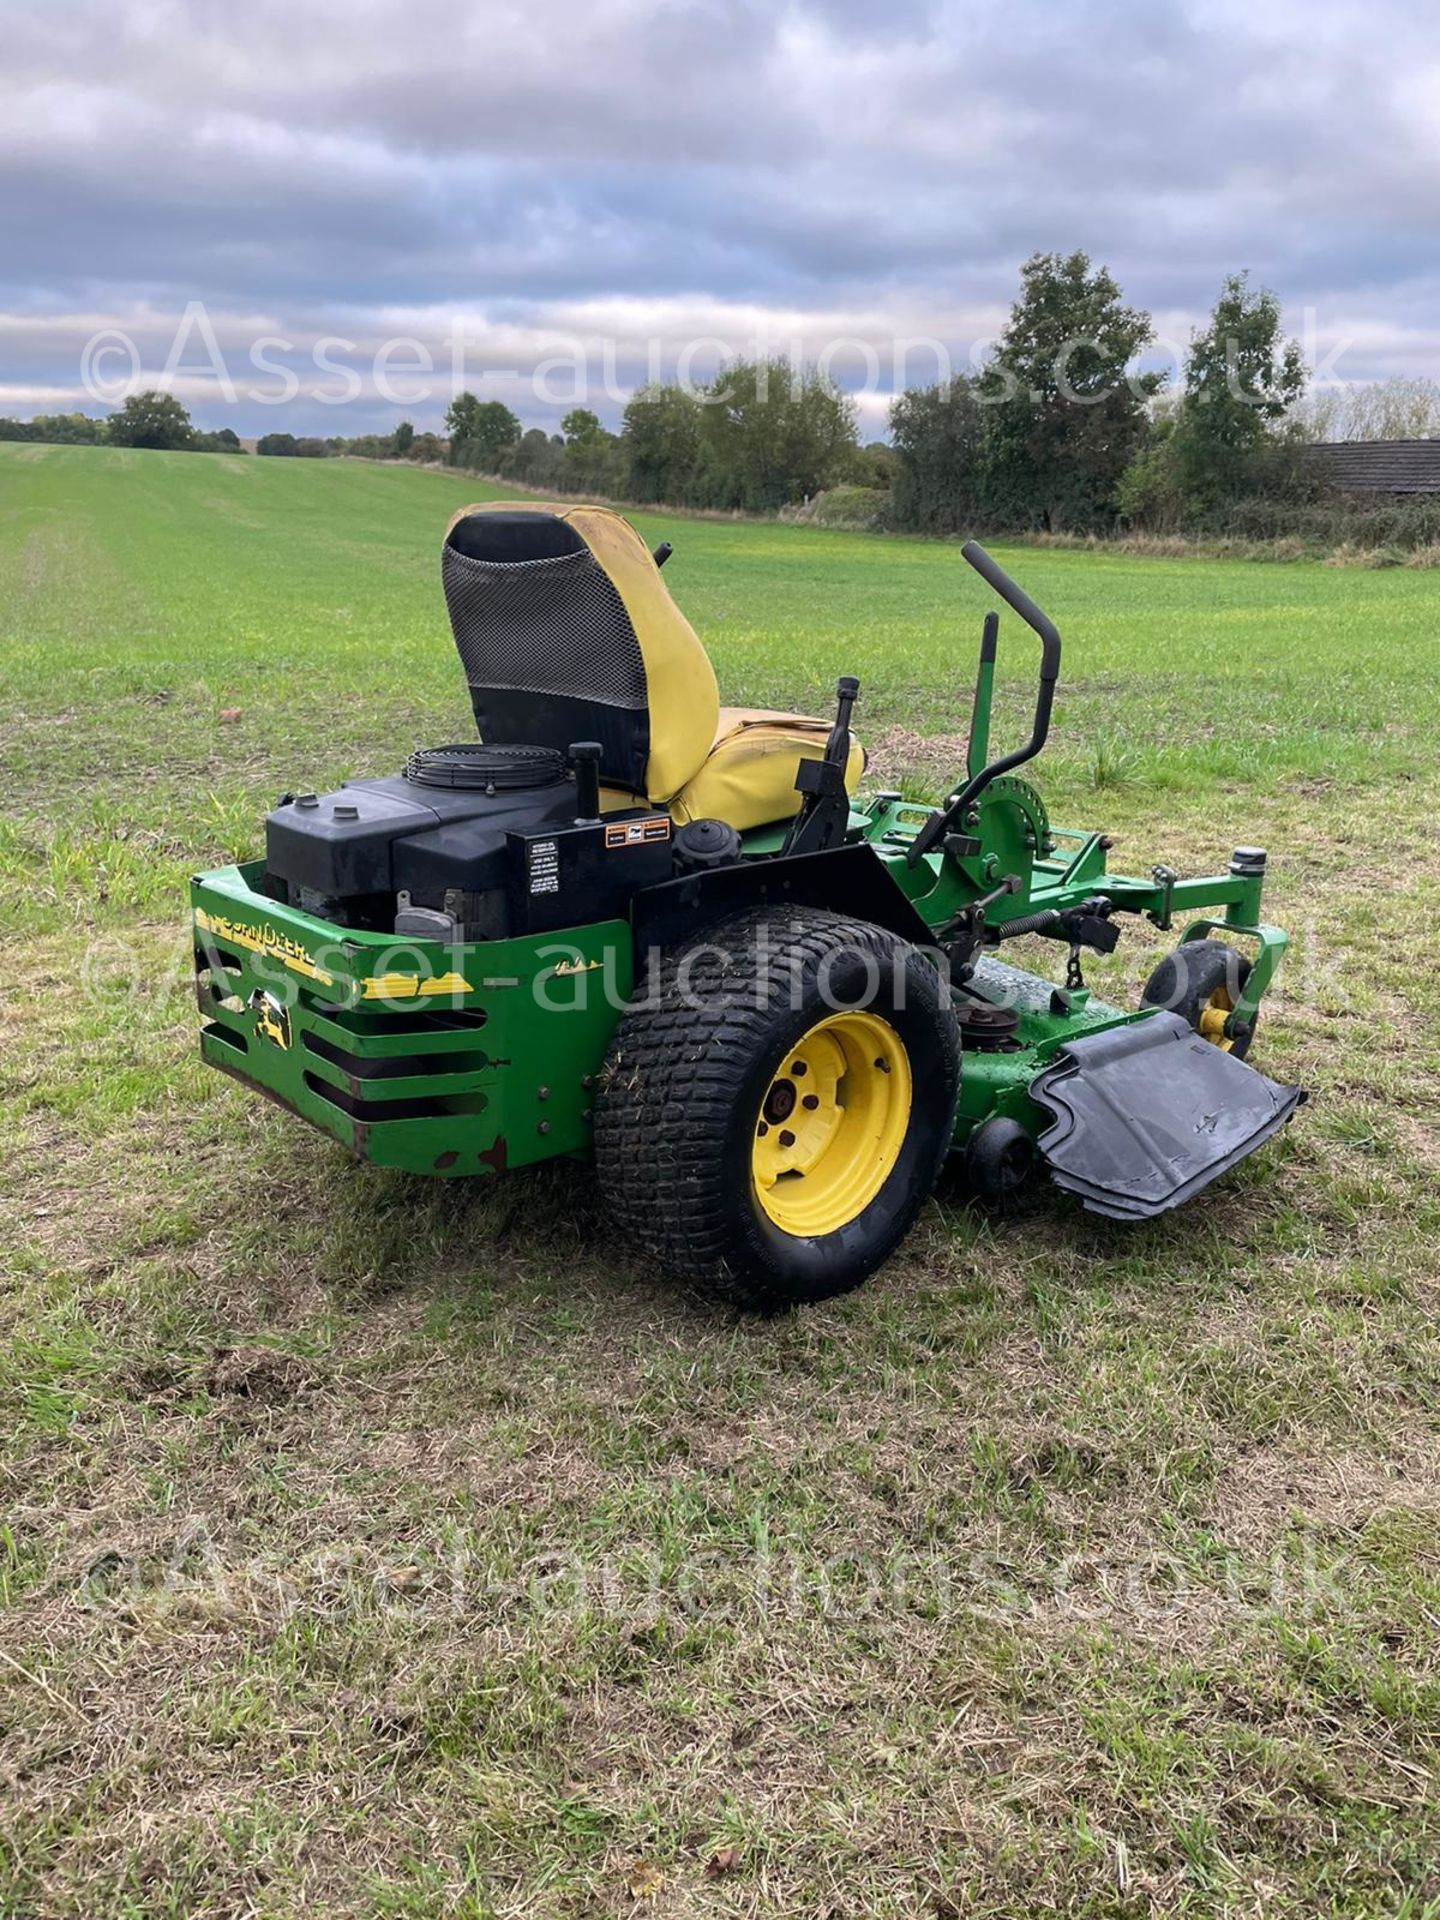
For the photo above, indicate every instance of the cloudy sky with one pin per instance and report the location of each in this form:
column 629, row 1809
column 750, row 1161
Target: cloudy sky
column 545, row 200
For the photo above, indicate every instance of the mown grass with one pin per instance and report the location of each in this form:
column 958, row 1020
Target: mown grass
column 372, row 1546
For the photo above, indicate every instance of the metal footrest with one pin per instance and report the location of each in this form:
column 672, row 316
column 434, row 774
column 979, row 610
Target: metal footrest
column 1146, row 1115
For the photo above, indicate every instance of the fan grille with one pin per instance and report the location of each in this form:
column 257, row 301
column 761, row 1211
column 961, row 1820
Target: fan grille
column 479, row 767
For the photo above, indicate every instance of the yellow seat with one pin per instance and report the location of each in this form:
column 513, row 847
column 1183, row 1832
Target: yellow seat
column 567, row 632
column 748, row 776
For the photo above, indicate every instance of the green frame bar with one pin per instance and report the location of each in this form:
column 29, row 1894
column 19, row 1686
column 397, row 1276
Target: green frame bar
column 1272, row 943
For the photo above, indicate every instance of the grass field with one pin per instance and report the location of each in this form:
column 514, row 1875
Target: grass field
column 379, row 1547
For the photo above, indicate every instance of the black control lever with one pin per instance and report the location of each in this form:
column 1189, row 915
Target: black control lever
column 939, row 824
column 824, row 815
column 662, row 553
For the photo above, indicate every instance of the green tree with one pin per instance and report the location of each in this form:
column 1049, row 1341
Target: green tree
column 480, row 431
column 594, row 460
column 67, row 429
column 1149, row 491
column 1242, row 378
column 71, row 429
column 938, row 435
column 404, row 439
column 660, row 440
column 873, row 466
column 771, row 433
column 151, row 419
column 581, row 427
column 364, row 446
column 537, row 459
column 1065, row 411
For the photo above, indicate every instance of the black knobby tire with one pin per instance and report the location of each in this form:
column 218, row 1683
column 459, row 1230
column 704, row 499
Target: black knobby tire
column 682, row 1092
column 1201, row 976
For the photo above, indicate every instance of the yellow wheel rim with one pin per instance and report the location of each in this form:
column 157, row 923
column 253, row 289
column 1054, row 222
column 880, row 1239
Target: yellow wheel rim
column 1213, row 1015
column 831, row 1124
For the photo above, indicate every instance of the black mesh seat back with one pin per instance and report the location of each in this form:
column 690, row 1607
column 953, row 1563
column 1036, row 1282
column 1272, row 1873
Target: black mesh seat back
column 548, row 648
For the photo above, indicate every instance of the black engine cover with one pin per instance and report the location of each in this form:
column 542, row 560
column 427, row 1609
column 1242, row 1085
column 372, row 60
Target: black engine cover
column 379, row 836
column 497, row 861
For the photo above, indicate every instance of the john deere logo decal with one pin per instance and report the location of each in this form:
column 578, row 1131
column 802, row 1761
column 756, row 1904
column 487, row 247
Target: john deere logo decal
column 272, row 1019
column 263, row 940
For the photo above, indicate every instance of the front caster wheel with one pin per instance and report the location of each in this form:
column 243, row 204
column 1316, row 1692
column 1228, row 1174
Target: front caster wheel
column 999, row 1159
column 772, row 1119
column 1202, row 981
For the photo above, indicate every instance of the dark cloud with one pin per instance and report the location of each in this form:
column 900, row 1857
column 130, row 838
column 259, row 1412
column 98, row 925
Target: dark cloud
column 856, row 165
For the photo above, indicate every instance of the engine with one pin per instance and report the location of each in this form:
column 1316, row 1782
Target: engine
column 477, row 842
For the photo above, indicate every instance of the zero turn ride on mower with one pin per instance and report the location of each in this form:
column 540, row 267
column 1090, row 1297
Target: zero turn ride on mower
column 633, row 925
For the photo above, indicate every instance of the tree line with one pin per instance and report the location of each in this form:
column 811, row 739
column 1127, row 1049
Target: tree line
column 403, row 444
column 761, row 434
column 150, row 419
column 1059, row 430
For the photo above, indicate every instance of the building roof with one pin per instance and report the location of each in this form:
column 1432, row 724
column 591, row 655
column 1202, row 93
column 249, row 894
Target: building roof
column 1381, row 466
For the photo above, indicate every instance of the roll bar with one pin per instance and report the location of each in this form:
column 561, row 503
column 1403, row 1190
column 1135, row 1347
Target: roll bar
column 940, row 824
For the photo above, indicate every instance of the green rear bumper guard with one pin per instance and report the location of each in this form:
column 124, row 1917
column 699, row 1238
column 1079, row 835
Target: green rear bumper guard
column 415, row 1054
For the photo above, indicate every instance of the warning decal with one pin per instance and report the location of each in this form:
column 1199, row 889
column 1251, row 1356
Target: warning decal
column 636, row 833
column 544, row 866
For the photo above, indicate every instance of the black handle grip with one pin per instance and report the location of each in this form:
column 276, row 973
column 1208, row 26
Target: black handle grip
column 837, row 746
column 1019, row 602
column 940, row 824
column 662, row 553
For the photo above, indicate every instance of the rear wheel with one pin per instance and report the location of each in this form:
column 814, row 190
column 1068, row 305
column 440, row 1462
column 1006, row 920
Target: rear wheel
column 772, row 1119
column 1202, row 981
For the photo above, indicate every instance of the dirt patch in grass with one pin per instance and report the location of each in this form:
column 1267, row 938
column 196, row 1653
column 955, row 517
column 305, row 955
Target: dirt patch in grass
column 899, row 754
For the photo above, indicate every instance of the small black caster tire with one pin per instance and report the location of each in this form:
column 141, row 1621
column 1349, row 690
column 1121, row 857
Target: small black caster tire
column 999, row 1159
column 1201, row 981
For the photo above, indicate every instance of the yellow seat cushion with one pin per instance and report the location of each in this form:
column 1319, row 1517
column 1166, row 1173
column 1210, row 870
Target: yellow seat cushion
column 748, row 778
column 680, row 681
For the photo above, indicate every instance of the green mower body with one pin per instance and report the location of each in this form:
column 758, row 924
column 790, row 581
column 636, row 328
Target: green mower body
column 484, row 1039
column 465, row 1059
